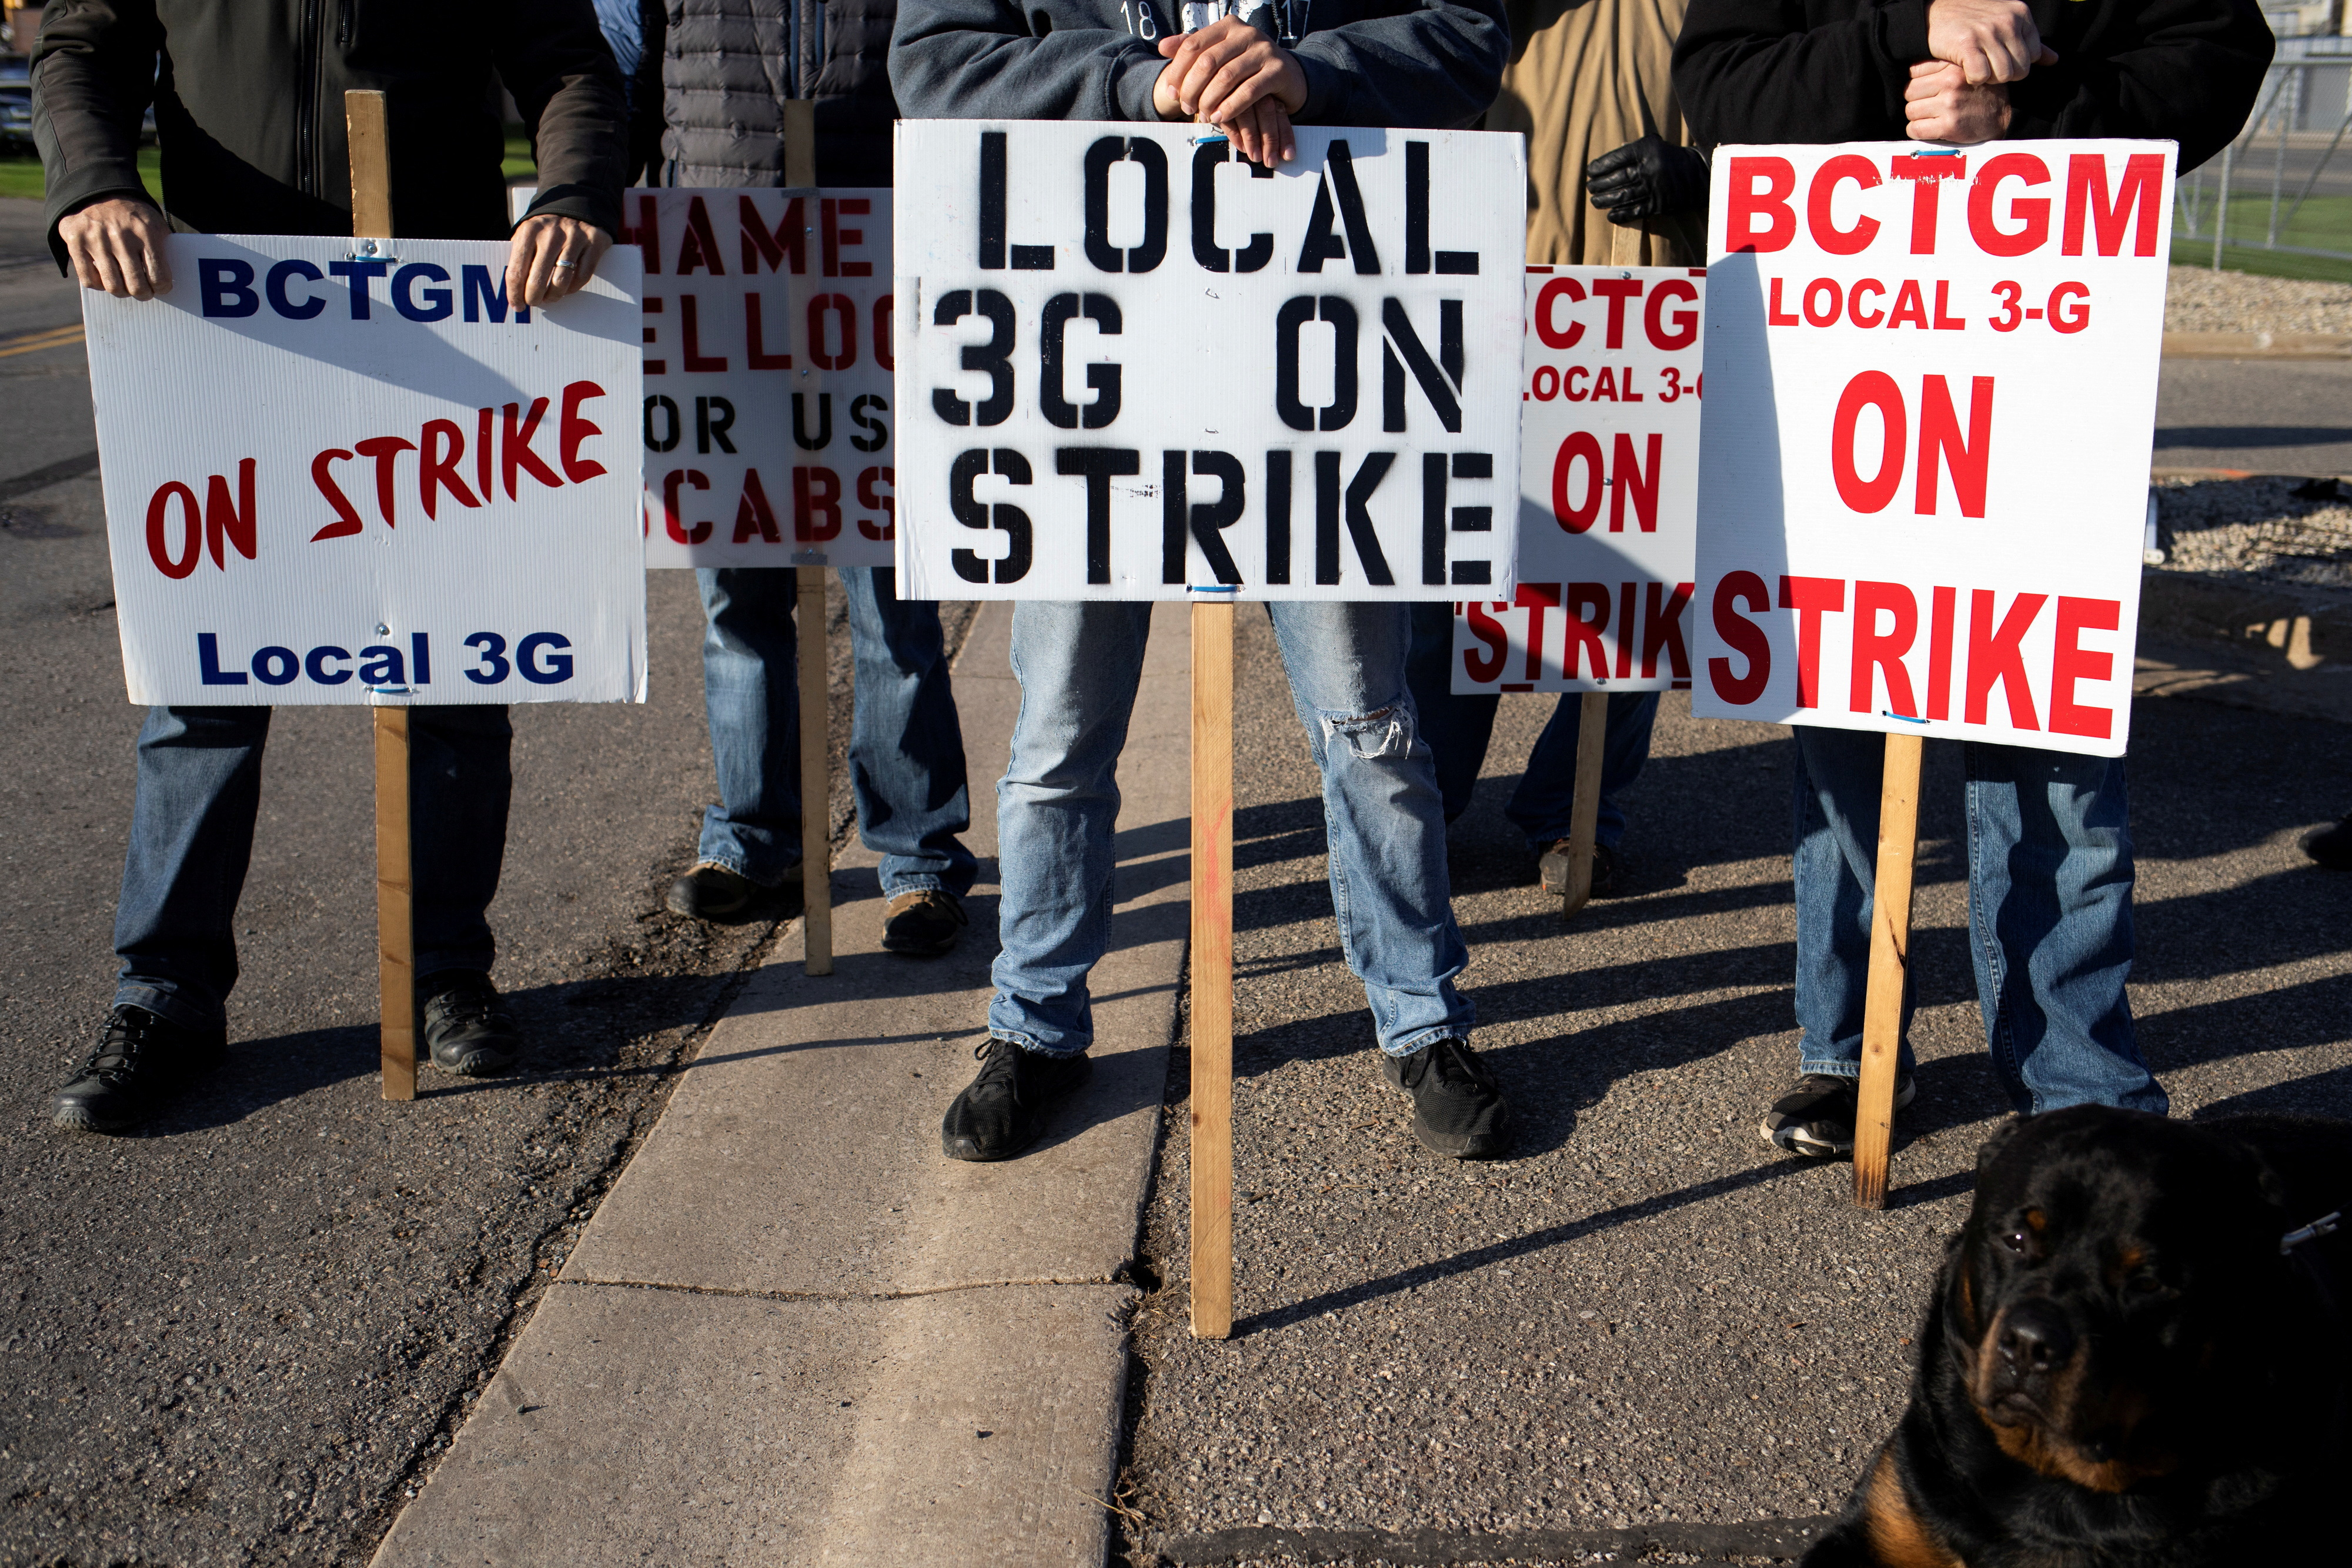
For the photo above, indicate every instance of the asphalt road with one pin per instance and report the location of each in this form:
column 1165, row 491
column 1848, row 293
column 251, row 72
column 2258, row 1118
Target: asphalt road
column 238, row 1337
column 2270, row 416
column 1647, row 1320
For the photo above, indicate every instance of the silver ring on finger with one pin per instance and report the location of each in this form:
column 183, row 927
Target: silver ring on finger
column 565, row 264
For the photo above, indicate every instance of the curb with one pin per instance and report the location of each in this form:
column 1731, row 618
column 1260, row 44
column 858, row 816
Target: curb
column 2257, row 346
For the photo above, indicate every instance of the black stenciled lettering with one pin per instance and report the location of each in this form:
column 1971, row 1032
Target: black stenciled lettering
column 864, row 413
column 823, row 423
column 992, row 203
column 1288, row 322
column 1102, row 377
column 1209, row 520
column 713, row 418
column 1206, row 161
column 1277, row 517
column 1322, row 243
column 1474, row 520
column 1416, row 210
column 1432, row 517
column 1098, row 466
column 1106, row 151
column 994, row 356
column 1009, row 519
column 1440, row 380
column 668, row 411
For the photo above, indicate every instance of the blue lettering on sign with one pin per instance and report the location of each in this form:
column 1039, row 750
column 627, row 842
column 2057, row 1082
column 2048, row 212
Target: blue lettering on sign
column 208, row 661
column 558, row 667
column 228, row 289
column 542, row 658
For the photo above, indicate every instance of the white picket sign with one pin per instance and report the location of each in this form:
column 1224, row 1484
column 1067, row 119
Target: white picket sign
column 1931, row 383
column 342, row 472
column 1133, row 366
column 1609, row 434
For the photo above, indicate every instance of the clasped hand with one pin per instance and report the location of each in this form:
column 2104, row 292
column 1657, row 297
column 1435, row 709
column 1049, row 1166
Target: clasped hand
column 1231, row 76
column 1978, row 47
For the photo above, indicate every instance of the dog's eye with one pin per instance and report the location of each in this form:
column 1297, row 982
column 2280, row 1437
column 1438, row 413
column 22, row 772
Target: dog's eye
column 2014, row 1241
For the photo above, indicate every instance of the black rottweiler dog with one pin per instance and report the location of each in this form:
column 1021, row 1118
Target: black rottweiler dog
column 2123, row 1366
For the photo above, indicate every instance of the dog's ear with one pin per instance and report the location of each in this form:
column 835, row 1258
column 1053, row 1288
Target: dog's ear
column 1993, row 1147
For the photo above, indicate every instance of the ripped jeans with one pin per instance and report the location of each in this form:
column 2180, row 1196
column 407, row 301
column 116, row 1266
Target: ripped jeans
column 1079, row 664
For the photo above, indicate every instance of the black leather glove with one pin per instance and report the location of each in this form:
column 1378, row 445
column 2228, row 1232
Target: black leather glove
column 1647, row 179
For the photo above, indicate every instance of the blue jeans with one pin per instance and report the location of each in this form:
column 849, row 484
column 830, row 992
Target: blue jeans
column 191, row 839
column 905, row 745
column 1078, row 665
column 1457, row 728
column 2049, row 917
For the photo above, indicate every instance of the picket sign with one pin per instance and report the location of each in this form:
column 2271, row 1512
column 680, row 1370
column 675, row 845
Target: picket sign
column 1134, row 367
column 1609, row 442
column 349, row 472
column 1931, row 381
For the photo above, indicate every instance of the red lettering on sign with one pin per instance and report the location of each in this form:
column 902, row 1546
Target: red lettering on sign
column 1997, row 655
column 1927, row 171
column 175, row 565
column 755, row 347
column 1909, row 307
column 2140, row 195
column 670, row 520
column 1487, row 668
column 699, row 248
column 1627, row 479
column 1617, row 290
column 1684, row 331
column 347, row 518
column 833, row 210
column 1773, row 315
column 1940, row 443
column 1872, row 389
column 235, row 523
column 1877, row 652
column 1581, row 444
column 1939, row 653
column 754, row 518
column 790, row 240
column 1778, row 179
column 1854, row 302
column 816, row 504
column 1547, row 301
column 440, row 444
column 837, row 305
column 515, row 455
column 1583, row 632
column 1743, row 636
column 690, row 333
column 1535, row 598
column 1662, row 630
column 1811, row 597
column 887, row 505
column 2031, row 212
column 386, row 450
column 1819, row 196
column 2070, row 663
column 572, row 430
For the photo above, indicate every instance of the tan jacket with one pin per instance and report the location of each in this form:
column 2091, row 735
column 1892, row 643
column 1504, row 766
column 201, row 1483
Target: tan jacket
column 1586, row 77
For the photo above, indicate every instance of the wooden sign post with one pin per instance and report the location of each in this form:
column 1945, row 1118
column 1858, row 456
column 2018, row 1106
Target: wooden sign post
column 1584, row 812
column 395, row 925
column 1890, row 964
column 816, row 711
column 1212, row 1095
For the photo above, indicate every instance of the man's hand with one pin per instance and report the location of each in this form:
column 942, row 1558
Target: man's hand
column 1646, row 179
column 1942, row 107
column 1223, row 73
column 1990, row 40
column 550, row 257
column 116, row 247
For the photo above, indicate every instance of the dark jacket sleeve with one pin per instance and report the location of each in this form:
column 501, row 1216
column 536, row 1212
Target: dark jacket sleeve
column 646, row 92
column 554, row 60
column 976, row 59
column 1438, row 66
column 1755, row 70
column 2186, row 70
column 93, row 74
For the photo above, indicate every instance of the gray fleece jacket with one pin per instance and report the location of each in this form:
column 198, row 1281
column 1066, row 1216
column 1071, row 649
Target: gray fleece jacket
column 1414, row 64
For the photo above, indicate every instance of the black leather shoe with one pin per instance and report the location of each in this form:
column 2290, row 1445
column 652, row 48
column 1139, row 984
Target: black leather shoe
column 923, row 924
column 1457, row 1109
column 2331, row 846
column 467, row 1029
column 710, row 892
column 1609, row 871
column 1003, row 1111
column 143, row 1061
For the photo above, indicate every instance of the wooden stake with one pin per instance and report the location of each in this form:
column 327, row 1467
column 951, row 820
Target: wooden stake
column 816, row 779
column 1890, row 962
column 1211, row 1094
column 1592, row 736
column 800, row 141
column 364, row 125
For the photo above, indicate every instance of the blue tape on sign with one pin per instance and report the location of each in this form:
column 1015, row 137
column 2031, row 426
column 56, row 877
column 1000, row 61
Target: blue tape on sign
column 1212, row 587
column 1905, row 718
column 1214, row 136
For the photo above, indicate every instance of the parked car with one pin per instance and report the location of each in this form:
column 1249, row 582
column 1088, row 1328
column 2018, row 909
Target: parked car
column 15, row 104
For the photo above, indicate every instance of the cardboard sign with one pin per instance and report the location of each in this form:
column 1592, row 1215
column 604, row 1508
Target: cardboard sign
column 1608, row 431
column 1931, row 396
column 342, row 472
column 1132, row 365
column 768, row 403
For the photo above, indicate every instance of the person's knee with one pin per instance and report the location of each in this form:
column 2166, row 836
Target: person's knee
column 1373, row 735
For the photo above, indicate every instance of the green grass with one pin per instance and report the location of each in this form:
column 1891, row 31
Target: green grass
column 21, row 176
column 2324, row 223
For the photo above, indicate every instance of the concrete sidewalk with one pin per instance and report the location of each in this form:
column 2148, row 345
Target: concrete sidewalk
column 795, row 1333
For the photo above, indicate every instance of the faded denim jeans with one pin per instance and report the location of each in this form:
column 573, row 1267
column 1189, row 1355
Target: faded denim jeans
column 2049, row 917
column 1079, row 664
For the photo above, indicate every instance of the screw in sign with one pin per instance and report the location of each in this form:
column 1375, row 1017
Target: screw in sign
column 1930, row 400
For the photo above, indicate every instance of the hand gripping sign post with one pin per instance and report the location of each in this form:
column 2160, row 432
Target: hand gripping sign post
column 355, row 473
column 1609, row 440
column 1136, row 368
column 768, row 312
column 1931, row 396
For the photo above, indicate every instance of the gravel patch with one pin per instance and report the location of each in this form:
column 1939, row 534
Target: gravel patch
column 2202, row 300
column 2282, row 529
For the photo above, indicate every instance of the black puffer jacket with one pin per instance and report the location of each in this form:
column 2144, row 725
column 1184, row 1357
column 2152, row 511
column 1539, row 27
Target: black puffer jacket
column 728, row 66
column 249, row 110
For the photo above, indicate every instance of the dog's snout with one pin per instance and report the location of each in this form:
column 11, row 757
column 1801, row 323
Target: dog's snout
column 2036, row 1338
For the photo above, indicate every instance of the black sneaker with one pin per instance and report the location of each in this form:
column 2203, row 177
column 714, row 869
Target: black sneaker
column 1002, row 1111
column 2331, row 846
column 142, row 1062
column 923, row 924
column 468, row 1030
column 1610, row 871
column 1816, row 1118
column 710, row 892
column 1456, row 1108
